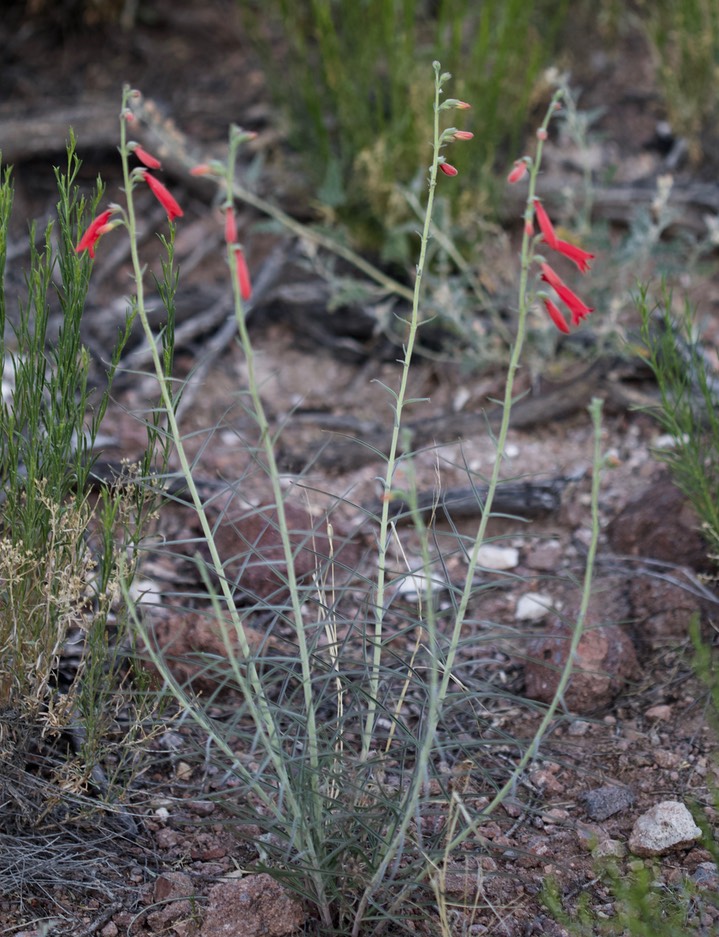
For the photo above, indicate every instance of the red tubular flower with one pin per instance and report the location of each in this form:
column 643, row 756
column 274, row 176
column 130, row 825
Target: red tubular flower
column 163, row 196
column 578, row 256
column 147, row 159
column 243, row 274
column 575, row 305
column 463, row 135
column 555, row 315
column 545, row 225
column 519, row 171
column 94, row 233
column 230, row 225
column 448, row 169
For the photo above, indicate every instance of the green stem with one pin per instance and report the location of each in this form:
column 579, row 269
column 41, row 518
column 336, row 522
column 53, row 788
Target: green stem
column 273, row 474
column 400, row 401
column 256, row 700
column 595, row 411
column 527, row 256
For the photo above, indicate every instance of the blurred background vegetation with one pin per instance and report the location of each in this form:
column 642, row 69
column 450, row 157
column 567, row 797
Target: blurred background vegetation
column 349, row 84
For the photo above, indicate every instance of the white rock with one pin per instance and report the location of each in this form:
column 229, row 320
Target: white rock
column 494, row 557
column 533, row 606
column 667, row 827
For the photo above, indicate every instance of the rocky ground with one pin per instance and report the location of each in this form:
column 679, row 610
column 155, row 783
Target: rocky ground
column 634, row 750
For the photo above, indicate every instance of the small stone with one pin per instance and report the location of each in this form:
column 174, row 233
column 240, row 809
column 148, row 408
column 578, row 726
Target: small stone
column 665, row 759
column 667, row 827
column 587, row 837
column 201, row 808
column 660, row 713
column 706, row 875
column 167, row 838
column 545, row 556
column 578, row 728
column 493, row 557
column 533, row 606
column 172, row 893
column 603, row 802
column 609, row 848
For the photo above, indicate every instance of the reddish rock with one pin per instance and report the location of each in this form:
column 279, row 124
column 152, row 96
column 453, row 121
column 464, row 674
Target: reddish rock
column 255, row 906
column 605, row 660
column 661, row 610
column 173, row 891
column 250, row 546
column 661, row 524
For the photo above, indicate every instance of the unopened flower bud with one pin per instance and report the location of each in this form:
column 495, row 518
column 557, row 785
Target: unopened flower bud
column 519, row 171
column 455, row 103
column 448, row 169
column 463, row 135
column 542, row 134
column 147, row 159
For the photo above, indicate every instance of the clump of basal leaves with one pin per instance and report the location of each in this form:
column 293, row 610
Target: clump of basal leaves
column 64, row 692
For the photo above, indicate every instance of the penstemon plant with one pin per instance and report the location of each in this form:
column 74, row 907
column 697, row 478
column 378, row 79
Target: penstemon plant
column 339, row 797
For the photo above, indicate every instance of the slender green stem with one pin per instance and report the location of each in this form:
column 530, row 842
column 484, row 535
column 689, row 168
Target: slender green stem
column 255, row 698
column 400, row 401
column 437, row 698
column 530, row 752
column 527, row 256
column 273, row 474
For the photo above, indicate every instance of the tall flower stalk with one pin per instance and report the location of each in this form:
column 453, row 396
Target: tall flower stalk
column 529, row 255
column 439, row 163
column 300, row 826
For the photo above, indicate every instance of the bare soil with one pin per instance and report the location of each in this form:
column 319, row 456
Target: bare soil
column 650, row 734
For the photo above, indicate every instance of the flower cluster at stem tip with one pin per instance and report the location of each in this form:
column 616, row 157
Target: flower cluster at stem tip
column 581, row 258
column 452, row 135
column 104, row 223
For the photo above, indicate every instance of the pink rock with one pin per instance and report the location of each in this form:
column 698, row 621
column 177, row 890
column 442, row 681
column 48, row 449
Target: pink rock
column 605, row 660
column 254, row 906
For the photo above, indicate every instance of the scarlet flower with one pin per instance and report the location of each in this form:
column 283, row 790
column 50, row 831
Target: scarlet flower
column 163, row 196
column 519, row 171
column 448, row 169
column 545, row 225
column 575, row 305
column 147, row 159
column 230, row 225
column 578, row 256
column 555, row 315
column 243, row 274
column 94, row 233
